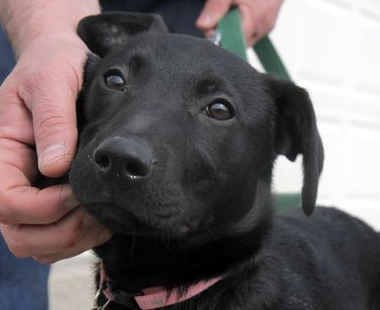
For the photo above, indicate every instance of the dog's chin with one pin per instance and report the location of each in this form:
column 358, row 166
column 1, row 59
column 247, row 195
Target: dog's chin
column 122, row 221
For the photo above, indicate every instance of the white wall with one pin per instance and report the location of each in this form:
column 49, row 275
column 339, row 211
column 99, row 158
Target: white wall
column 332, row 48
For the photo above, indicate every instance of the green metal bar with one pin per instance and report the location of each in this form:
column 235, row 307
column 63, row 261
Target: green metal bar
column 270, row 59
column 232, row 34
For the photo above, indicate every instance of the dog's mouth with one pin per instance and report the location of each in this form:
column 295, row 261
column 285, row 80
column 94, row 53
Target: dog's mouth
column 163, row 221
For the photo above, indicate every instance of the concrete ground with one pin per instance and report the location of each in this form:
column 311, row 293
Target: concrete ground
column 71, row 283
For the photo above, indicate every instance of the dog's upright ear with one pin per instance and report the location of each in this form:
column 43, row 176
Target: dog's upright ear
column 296, row 133
column 103, row 32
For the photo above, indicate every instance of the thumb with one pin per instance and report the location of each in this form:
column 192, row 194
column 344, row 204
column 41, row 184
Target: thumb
column 52, row 104
column 212, row 13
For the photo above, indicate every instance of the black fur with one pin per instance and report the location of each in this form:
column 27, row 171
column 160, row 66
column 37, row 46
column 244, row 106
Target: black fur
column 189, row 196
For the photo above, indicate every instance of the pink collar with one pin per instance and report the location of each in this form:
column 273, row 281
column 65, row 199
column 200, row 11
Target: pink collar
column 154, row 297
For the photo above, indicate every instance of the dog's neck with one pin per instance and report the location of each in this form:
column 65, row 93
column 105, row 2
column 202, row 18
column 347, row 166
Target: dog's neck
column 149, row 298
column 146, row 262
column 138, row 262
column 134, row 263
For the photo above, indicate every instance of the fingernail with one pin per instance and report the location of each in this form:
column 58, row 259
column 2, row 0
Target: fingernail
column 204, row 20
column 52, row 154
column 71, row 202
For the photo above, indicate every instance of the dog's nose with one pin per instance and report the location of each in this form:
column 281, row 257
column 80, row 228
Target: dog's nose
column 120, row 157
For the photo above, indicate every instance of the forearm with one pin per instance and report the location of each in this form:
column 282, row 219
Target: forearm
column 24, row 20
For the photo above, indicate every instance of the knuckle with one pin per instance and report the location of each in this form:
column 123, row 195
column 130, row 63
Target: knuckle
column 49, row 79
column 17, row 252
column 6, row 214
column 221, row 5
column 48, row 73
column 71, row 241
column 217, row 6
column 269, row 20
column 267, row 27
column 70, row 233
column 39, row 81
column 73, row 237
column 16, row 245
column 50, row 117
column 49, row 217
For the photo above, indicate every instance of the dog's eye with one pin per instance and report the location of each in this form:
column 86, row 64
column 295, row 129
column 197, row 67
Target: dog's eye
column 115, row 80
column 220, row 110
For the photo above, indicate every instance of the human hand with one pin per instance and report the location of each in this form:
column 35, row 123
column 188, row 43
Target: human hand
column 258, row 16
column 37, row 112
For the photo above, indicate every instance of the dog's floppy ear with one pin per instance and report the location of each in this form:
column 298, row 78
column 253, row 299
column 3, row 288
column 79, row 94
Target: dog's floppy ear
column 296, row 133
column 103, row 32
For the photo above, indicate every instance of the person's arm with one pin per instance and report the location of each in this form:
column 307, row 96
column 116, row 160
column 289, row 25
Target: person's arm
column 37, row 111
column 24, row 21
column 258, row 16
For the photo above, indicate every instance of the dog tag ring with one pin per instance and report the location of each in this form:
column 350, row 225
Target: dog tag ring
column 215, row 38
column 97, row 305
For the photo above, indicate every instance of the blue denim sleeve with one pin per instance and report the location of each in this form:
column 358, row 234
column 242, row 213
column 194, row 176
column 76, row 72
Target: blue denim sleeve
column 23, row 282
column 7, row 60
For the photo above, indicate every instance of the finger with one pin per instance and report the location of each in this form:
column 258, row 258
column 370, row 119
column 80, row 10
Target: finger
column 50, row 95
column 15, row 119
column 17, row 157
column 212, row 13
column 24, row 204
column 249, row 22
column 19, row 202
column 87, row 243
column 28, row 240
column 73, row 234
column 89, row 235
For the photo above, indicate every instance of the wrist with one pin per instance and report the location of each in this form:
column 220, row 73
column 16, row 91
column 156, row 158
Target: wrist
column 26, row 21
column 25, row 39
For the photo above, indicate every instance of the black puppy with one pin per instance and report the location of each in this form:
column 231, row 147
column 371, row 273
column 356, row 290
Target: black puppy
column 177, row 143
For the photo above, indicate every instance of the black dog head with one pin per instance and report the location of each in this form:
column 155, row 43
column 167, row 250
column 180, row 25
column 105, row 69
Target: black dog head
column 178, row 135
